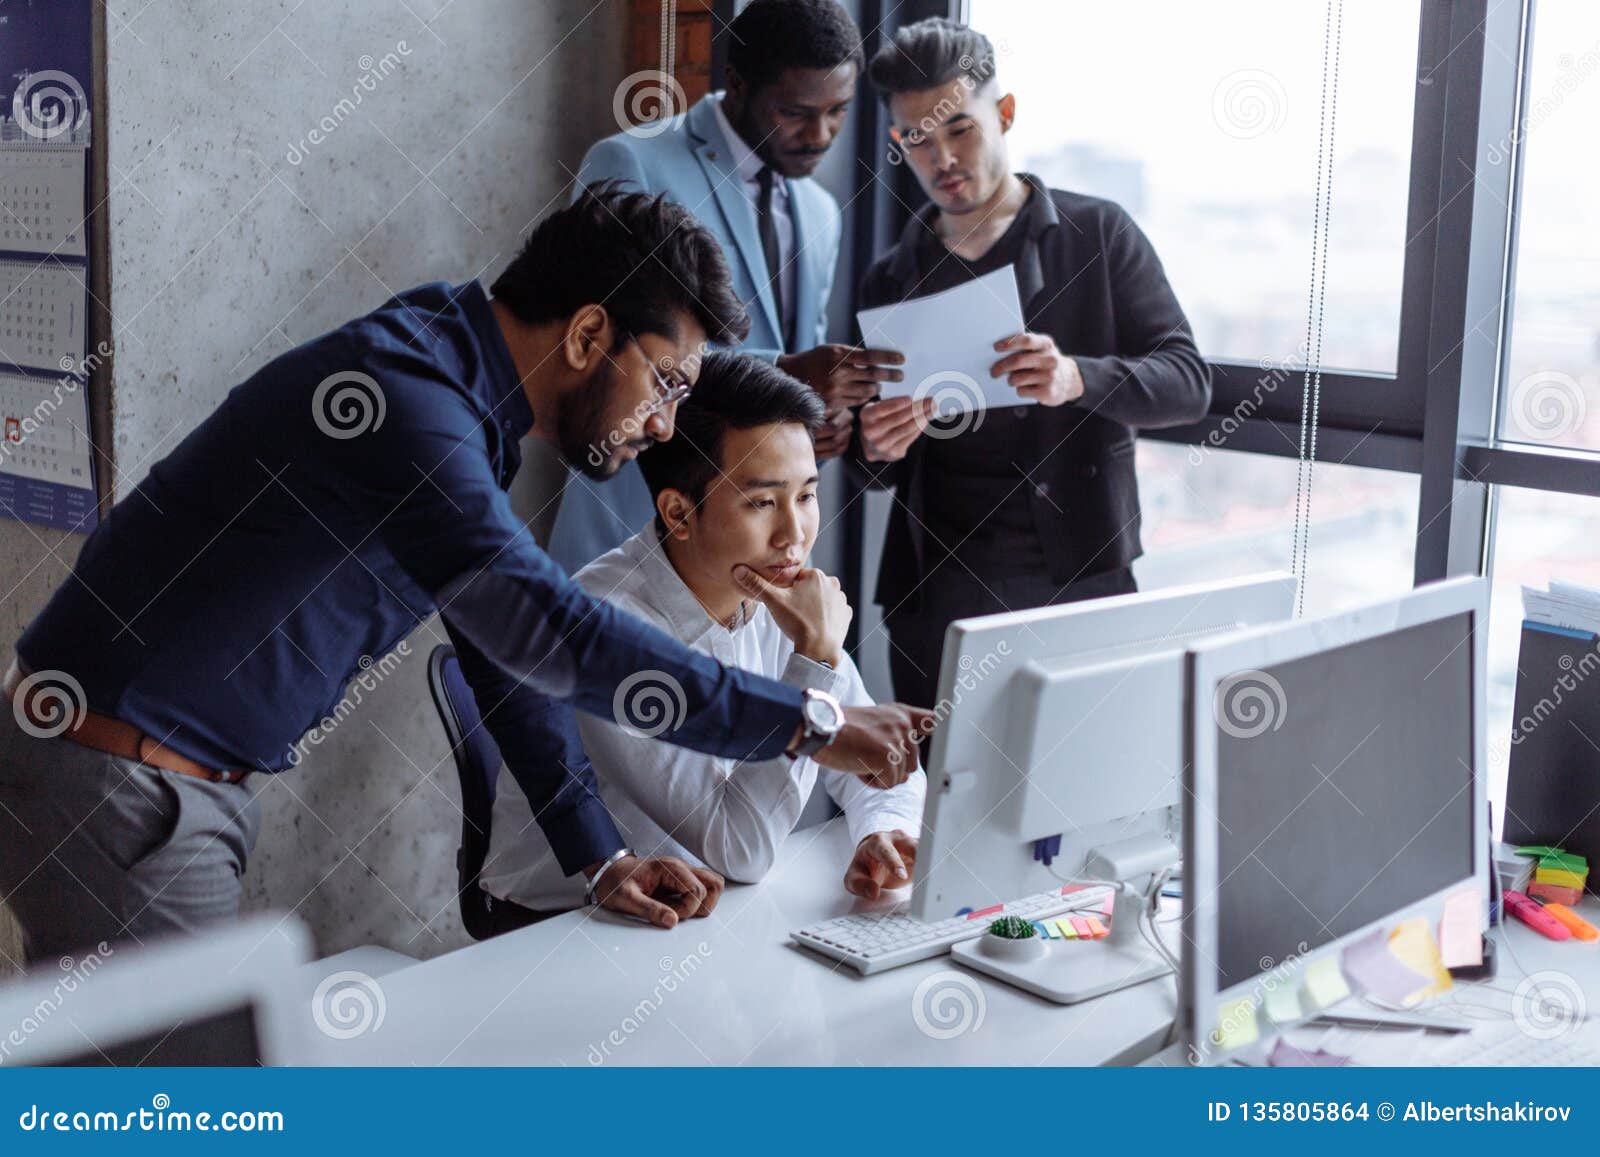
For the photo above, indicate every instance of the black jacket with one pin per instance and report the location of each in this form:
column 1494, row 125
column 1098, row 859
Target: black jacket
column 1089, row 278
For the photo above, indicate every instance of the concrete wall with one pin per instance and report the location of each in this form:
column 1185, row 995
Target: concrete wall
column 236, row 236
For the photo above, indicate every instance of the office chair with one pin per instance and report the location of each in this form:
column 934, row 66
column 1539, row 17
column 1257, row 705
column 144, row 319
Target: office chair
column 478, row 766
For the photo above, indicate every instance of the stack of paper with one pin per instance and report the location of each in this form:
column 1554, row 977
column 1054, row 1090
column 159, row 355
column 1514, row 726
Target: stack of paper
column 1559, row 876
column 1569, row 605
column 1515, row 871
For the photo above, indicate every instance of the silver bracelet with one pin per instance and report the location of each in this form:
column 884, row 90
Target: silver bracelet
column 619, row 854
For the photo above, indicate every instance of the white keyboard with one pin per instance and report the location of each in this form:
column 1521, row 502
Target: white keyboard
column 1513, row 1049
column 875, row 941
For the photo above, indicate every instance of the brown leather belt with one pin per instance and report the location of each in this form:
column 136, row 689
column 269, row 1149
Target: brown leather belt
column 112, row 736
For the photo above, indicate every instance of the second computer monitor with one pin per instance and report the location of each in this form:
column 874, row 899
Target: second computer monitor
column 1060, row 730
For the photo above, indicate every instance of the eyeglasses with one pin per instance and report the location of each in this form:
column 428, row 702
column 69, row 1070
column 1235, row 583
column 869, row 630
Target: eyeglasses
column 668, row 393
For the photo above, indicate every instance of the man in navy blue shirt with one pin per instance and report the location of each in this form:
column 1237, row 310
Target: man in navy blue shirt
column 336, row 499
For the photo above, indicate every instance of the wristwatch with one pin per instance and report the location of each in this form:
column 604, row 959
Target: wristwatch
column 821, row 720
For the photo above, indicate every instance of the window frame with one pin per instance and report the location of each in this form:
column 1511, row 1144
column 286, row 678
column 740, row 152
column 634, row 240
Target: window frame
column 1437, row 415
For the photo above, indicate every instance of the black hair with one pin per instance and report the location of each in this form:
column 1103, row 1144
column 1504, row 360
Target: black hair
column 770, row 36
column 734, row 392
column 646, row 259
column 931, row 53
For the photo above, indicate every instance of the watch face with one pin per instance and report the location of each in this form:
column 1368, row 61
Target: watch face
column 824, row 714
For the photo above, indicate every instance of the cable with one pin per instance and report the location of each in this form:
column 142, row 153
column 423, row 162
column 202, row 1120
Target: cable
column 1316, row 297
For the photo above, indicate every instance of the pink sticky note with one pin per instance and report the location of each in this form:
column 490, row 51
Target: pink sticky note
column 1109, row 906
column 1286, row 1056
column 1461, row 929
column 1369, row 963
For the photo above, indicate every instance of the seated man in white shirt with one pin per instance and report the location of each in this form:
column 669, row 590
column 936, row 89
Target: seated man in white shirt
column 723, row 569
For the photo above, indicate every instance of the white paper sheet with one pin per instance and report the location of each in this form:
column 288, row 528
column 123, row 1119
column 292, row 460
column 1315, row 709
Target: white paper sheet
column 948, row 342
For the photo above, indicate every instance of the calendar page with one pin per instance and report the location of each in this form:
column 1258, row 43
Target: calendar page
column 41, row 198
column 46, row 460
column 42, row 311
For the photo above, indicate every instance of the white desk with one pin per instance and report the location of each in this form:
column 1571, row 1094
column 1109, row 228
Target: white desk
column 1565, row 973
column 563, row 992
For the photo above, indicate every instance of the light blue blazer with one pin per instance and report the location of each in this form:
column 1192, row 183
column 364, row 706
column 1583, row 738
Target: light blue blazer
column 688, row 159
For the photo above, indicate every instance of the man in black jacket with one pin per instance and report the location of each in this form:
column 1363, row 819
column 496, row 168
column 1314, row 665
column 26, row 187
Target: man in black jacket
column 1027, row 505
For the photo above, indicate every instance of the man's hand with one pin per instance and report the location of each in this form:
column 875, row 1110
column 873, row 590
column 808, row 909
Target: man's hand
column 1037, row 369
column 813, row 611
column 889, row 427
column 844, row 375
column 883, row 860
column 661, row 889
column 878, row 744
column 834, row 438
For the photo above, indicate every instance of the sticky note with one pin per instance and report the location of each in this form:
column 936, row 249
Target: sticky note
column 1069, row 930
column 1325, row 984
column 1046, row 931
column 1560, row 877
column 1540, row 850
column 1554, row 892
column 1096, row 929
column 1461, row 929
column 1413, row 943
column 1109, row 906
column 1286, row 1056
column 1236, row 1024
column 1282, row 1003
column 1081, row 926
column 1370, row 965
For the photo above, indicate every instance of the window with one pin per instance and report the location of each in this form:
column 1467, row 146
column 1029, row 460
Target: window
column 1538, row 536
column 1207, row 132
column 1552, row 389
column 1215, row 513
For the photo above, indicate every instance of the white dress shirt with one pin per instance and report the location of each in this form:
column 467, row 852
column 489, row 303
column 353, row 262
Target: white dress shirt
column 749, row 167
column 667, row 800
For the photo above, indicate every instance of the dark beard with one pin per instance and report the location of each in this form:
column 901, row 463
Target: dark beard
column 581, row 434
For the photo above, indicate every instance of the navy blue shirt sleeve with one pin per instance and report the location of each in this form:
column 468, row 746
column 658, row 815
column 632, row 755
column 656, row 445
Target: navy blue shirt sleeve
column 423, row 477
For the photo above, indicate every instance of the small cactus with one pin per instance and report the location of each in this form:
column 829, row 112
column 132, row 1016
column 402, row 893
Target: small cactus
column 1013, row 928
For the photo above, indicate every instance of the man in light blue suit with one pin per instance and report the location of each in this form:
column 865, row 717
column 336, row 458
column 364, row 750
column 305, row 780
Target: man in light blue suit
column 741, row 161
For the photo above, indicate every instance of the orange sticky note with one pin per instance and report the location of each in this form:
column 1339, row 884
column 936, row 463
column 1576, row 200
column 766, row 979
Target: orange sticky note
column 1096, row 928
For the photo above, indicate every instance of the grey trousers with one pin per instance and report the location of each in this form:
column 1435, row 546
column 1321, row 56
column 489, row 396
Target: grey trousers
column 95, row 847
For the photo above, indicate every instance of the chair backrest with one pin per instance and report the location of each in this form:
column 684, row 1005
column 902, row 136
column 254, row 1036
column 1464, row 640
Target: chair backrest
column 478, row 766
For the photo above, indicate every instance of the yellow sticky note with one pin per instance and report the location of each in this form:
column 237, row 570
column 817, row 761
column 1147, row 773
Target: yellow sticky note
column 1236, row 1024
column 1067, row 930
column 1560, row 877
column 1413, row 944
column 1325, row 983
column 1282, row 1003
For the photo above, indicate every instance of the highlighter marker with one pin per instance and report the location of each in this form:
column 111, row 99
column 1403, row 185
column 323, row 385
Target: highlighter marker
column 1535, row 917
column 1573, row 922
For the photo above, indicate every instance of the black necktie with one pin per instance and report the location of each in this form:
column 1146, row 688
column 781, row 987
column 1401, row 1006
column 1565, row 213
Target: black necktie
column 769, row 248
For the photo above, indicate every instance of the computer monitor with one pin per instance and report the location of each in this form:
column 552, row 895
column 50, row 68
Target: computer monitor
column 230, row 996
column 1060, row 737
column 1336, row 796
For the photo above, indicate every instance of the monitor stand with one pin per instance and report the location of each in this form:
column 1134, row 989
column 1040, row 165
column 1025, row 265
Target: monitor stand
column 1069, row 971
